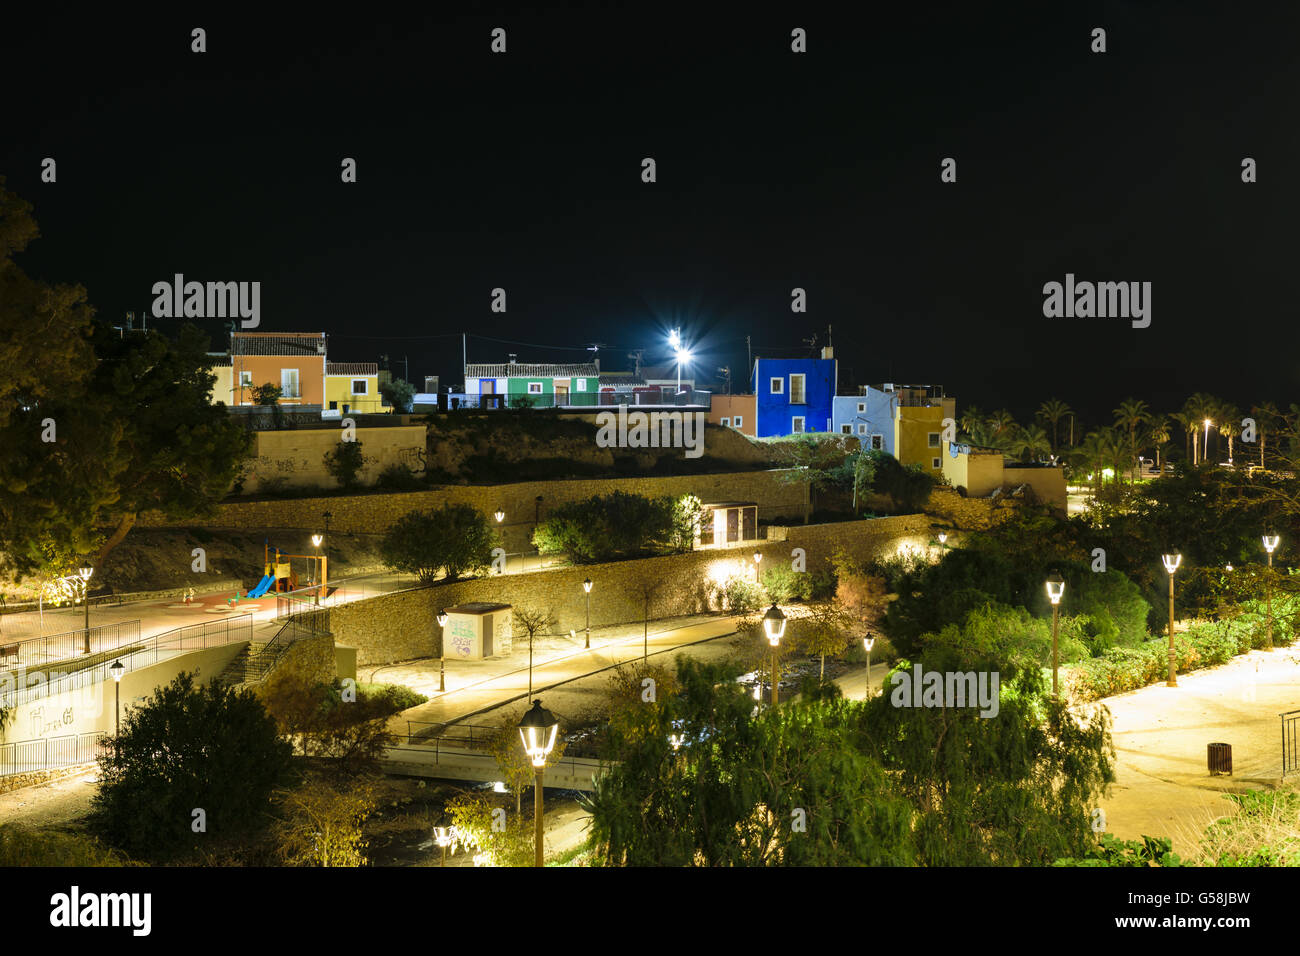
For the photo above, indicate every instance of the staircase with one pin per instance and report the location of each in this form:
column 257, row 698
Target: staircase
column 254, row 662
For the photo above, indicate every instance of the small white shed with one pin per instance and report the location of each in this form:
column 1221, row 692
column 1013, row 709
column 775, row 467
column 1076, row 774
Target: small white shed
column 477, row 630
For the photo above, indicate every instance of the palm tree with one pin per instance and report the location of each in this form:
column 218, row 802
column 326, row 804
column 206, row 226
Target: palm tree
column 1264, row 412
column 1091, row 451
column 1158, row 435
column 1229, row 424
column 971, row 420
column 1202, row 407
column 1030, row 442
column 1001, row 425
column 1131, row 413
column 1052, row 411
column 1187, row 422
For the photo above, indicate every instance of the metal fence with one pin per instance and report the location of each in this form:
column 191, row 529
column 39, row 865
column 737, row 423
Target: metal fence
column 49, row 753
column 306, row 603
column 192, row 637
column 42, row 651
column 1290, row 729
column 455, row 739
column 649, row 397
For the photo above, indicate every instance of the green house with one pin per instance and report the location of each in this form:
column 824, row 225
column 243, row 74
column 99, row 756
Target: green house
column 538, row 386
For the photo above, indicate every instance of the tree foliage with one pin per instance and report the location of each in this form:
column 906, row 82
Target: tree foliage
column 615, row 526
column 454, row 540
column 188, row 748
column 344, row 463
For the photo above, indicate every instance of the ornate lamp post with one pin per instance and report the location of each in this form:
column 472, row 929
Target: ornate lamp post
column 1055, row 590
column 774, row 628
column 85, row 574
column 758, row 560
column 443, row 836
column 116, row 671
column 586, row 586
column 1171, row 562
column 538, row 730
column 442, row 646
column 868, row 643
column 1270, row 544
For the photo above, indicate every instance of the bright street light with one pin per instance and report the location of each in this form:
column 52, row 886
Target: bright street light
column 499, row 515
column 1055, row 590
column 774, row 628
column 538, row 730
column 1171, row 562
column 1270, row 544
column 868, row 643
column 586, row 586
column 442, row 658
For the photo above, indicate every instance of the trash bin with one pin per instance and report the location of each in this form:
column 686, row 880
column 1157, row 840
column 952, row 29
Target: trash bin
column 1219, row 757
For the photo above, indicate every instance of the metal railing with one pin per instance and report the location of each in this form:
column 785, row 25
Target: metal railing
column 303, row 602
column 431, row 735
column 191, row 637
column 49, row 753
column 649, row 397
column 43, row 651
column 1290, row 730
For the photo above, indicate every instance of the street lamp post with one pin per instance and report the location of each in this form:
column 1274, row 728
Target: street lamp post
column 1055, row 589
column 1270, row 543
column 443, row 837
column 538, row 730
column 499, row 515
column 1171, row 562
column 943, row 539
column 774, row 627
column 442, row 647
column 116, row 671
column 85, row 574
column 586, row 586
column 758, row 560
column 316, row 539
column 868, row 643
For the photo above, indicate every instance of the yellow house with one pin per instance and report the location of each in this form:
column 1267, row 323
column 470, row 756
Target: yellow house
column 223, row 389
column 353, row 387
column 918, row 436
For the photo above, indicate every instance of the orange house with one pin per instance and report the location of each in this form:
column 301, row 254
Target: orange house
column 734, row 411
column 295, row 361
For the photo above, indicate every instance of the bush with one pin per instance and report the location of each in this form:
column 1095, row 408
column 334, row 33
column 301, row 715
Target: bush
column 345, row 462
column 739, row 595
column 188, row 747
column 322, row 824
column 609, row 527
column 783, row 584
column 398, row 477
column 21, row 847
column 453, row 539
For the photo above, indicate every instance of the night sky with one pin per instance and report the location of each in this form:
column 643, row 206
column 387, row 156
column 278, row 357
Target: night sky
column 775, row 170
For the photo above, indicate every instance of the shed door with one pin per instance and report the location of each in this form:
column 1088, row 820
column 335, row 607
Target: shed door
column 487, row 635
column 733, row 524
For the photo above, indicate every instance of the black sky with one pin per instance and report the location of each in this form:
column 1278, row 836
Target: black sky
column 775, row 170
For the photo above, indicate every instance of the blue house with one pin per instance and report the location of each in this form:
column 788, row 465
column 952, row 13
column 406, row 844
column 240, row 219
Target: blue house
column 794, row 395
column 868, row 417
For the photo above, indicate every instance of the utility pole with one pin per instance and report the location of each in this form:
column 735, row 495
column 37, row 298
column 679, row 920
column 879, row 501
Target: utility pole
column 406, row 368
column 749, row 350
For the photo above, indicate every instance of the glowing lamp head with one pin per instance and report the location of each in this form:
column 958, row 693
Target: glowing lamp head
column 499, row 515
column 868, row 643
column 758, row 557
column 1208, row 423
column 774, row 625
column 1055, row 589
column 442, row 618
column 538, row 730
column 676, row 741
column 586, row 585
column 1171, row 562
column 1270, row 542
column 116, row 670
column 316, row 539
column 943, row 537
column 1227, row 567
column 86, row 572
column 443, row 836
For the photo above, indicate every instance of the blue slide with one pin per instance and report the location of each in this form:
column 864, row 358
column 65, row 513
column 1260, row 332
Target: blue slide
column 262, row 585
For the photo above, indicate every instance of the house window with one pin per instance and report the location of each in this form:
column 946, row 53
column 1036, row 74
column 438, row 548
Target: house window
column 738, row 421
column 289, row 383
column 726, row 423
column 796, row 425
column 777, row 386
column 334, row 406
column 934, row 463
column 359, row 386
column 862, row 429
column 878, row 442
column 534, row 388
column 797, row 396
column 847, row 429
column 862, row 408
column 246, row 379
column 579, row 384
column 933, row 439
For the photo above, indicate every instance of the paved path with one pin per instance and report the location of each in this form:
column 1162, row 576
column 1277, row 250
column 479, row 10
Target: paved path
column 474, row 686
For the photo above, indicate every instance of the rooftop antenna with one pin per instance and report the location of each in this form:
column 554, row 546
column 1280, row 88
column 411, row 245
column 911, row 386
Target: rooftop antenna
column 811, row 342
column 635, row 355
column 725, row 372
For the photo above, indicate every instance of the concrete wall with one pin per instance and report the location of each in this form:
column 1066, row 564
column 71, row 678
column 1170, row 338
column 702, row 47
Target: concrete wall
column 403, row 625
column 979, row 472
column 1048, row 483
column 375, row 513
column 297, row 455
column 91, row 708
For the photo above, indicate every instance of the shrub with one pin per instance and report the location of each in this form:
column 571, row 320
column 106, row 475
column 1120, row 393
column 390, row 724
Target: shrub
column 453, row 539
column 22, row 847
column 322, row 824
column 608, row 527
column 783, row 584
column 1149, row 851
column 345, row 462
column 740, row 595
column 188, row 747
column 398, row 477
